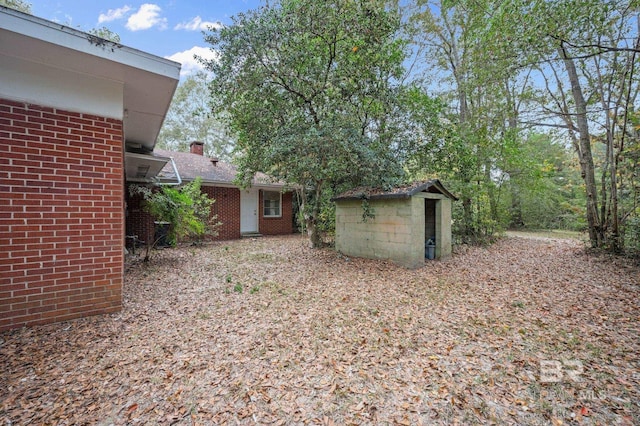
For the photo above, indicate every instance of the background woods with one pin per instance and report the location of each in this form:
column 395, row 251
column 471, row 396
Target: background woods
column 534, row 101
column 530, row 121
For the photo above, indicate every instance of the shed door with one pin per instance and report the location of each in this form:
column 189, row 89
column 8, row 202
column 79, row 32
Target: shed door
column 249, row 210
column 430, row 219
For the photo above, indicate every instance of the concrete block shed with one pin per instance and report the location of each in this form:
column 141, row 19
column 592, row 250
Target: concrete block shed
column 405, row 219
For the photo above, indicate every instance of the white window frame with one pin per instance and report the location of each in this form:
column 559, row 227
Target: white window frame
column 264, row 207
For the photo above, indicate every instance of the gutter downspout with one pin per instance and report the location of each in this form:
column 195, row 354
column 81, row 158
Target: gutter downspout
column 175, row 170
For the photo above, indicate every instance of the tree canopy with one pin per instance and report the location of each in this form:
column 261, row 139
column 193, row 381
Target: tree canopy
column 20, row 5
column 190, row 118
column 309, row 89
column 527, row 110
column 511, row 70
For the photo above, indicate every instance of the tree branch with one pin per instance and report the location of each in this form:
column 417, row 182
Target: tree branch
column 555, row 125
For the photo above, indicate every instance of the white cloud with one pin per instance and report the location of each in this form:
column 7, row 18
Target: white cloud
column 197, row 24
column 146, row 17
column 113, row 14
column 189, row 64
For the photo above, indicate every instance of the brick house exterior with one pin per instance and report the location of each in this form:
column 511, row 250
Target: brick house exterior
column 62, row 166
column 61, row 225
column 217, row 182
column 277, row 226
column 226, row 209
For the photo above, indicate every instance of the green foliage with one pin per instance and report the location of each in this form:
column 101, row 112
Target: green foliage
column 465, row 162
column 309, row 89
column 631, row 232
column 187, row 209
column 587, row 78
column 368, row 212
column 510, row 69
column 19, row 5
column 472, row 118
column 326, row 219
column 545, row 178
column 190, row 118
column 105, row 33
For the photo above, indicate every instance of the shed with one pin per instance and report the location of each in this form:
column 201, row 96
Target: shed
column 405, row 219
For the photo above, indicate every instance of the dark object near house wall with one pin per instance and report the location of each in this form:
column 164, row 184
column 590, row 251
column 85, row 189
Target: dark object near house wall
column 161, row 234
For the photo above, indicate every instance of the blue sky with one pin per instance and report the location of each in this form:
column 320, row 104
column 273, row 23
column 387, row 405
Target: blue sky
column 171, row 28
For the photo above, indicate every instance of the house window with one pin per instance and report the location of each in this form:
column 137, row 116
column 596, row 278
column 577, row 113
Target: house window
column 272, row 202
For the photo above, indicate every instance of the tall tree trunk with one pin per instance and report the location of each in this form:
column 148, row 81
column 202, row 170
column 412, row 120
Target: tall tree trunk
column 584, row 150
column 491, row 193
column 456, row 58
column 312, row 231
column 463, row 114
column 467, row 218
column 311, row 218
column 515, row 213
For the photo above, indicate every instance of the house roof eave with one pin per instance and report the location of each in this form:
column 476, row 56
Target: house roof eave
column 143, row 167
column 148, row 81
column 226, row 184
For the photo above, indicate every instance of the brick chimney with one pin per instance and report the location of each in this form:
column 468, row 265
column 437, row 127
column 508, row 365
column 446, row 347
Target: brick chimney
column 197, row 147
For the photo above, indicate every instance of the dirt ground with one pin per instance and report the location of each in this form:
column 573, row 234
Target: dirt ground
column 268, row 331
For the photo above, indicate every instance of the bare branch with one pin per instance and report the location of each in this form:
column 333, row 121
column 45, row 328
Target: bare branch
column 555, row 125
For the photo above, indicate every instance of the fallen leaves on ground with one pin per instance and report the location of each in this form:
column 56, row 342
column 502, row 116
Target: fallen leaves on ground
column 268, row 331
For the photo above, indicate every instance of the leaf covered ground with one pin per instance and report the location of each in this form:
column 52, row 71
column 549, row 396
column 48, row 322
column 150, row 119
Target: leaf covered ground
column 268, row 331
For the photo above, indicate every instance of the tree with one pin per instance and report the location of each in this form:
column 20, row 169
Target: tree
column 190, row 118
column 509, row 68
column 549, row 185
column 590, row 79
column 481, row 107
column 187, row 210
column 308, row 88
column 106, row 34
column 19, row 5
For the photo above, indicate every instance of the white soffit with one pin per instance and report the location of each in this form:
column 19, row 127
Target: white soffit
column 148, row 81
column 143, row 167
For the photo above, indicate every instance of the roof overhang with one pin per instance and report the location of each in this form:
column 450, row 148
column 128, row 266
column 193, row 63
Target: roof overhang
column 408, row 191
column 148, row 82
column 226, row 184
column 143, row 168
column 264, row 186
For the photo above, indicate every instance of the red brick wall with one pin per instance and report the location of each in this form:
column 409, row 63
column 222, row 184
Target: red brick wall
column 277, row 225
column 61, row 215
column 227, row 208
column 138, row 222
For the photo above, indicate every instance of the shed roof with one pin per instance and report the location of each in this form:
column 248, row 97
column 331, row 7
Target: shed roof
column 405, row 191
column 210, row 170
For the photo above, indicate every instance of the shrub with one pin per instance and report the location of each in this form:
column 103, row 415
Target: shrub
column 186, row 209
